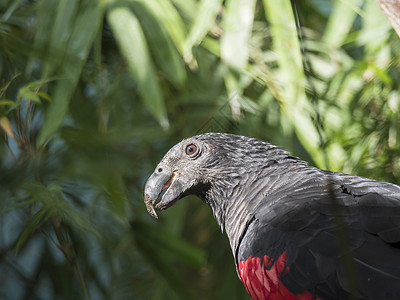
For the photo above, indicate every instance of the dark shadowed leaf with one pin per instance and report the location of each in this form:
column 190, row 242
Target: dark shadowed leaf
column 133, row 45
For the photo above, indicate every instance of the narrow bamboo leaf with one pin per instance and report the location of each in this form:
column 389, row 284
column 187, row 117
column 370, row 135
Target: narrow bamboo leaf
column 7, row 102
column 381, row 73
column 375, row 31
column 32, row 92
column 238, row 22
column 114, row 185
column 188, row 8
column 5, row 86
column 340, row 21
column 232, row 83
column 57, row 110
column 52, row 200
column 29, row 95
column 165, row 11
column 45, row 96
column 31, row 226
column 41, row 41
column 212, row 45
column 164, row 51
column 201, row 24
column 287, row 49
column 133, row 46
column 6, row 126
column 60, row 33
column 308, row 136
column 13, row 6
column 290, row 75
column 52, row 204
column 261, row 73
column 76, row 54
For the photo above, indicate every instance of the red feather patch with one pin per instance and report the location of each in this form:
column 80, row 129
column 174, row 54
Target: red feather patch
column 263, row 284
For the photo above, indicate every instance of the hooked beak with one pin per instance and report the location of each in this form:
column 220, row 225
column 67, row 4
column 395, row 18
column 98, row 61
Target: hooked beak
column 162, row 179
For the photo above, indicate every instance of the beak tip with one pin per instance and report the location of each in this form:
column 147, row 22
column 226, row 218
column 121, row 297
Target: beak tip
column 150, row 205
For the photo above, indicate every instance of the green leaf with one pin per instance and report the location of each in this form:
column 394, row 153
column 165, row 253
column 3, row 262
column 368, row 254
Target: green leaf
column 290, row 75
column 287, row 49
column 238, row 22
column 32, row 92
column 374, row 33
column 187, row 7
column 31, row 226
column 340, row 21
column 60, row 33
column 7, row 102
column 202, row 23
column 14, row 5
column 166, row 56
column 29, row 95
column 4, row 88
column 133, row 46
column 234, row 88
column 167, row 14
column 76, row 52
column 212, row 45
column 45, row 96
column 6, row 126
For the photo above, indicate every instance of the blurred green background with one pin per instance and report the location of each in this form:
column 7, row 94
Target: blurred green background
column 93, row 93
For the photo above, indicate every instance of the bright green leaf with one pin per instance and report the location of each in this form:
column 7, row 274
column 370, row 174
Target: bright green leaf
column 238, row 22
column 6, row 126
column 340, row 21
column 291, row 77
column 167, row 14
column 201, row 24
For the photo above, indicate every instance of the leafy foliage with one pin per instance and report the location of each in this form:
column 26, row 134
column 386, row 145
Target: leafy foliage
column 93, row 93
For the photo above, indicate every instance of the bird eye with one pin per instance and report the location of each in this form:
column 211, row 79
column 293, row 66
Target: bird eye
column 192, row 150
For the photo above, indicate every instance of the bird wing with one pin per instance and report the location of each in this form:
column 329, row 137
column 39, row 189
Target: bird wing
column 326, row 237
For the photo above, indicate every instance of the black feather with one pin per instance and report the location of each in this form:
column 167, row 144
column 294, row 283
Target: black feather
column 341, row 232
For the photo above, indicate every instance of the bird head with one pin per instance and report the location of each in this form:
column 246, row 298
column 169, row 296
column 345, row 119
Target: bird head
column 185, row 169
column 209, row 166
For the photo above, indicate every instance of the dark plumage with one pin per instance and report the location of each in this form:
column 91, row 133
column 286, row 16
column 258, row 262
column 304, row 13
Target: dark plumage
column 296, row 232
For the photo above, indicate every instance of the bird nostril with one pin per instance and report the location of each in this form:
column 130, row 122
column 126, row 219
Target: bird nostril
column 159, row 170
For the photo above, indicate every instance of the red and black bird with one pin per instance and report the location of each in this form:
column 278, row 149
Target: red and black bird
column 296, row 232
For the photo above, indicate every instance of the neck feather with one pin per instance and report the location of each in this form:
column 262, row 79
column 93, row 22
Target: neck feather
column 238, row 189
